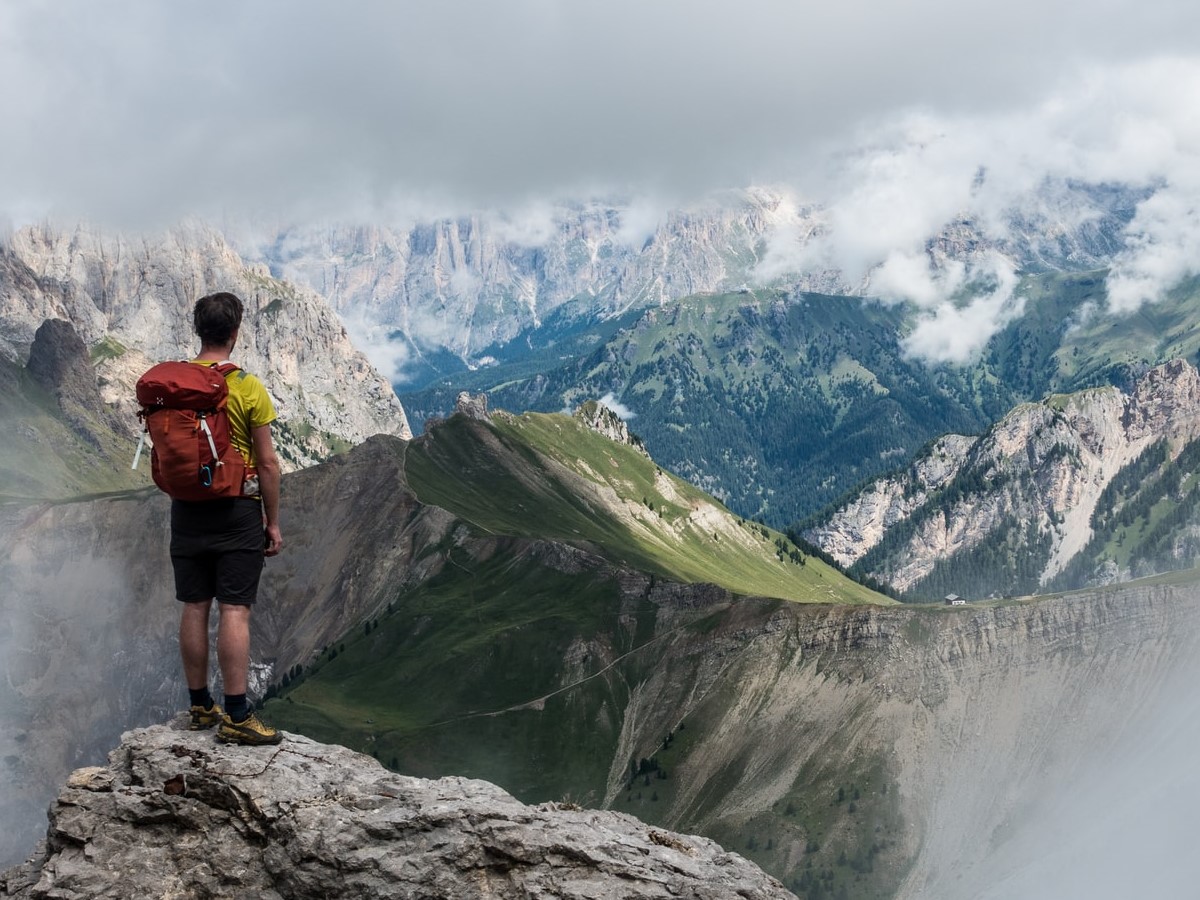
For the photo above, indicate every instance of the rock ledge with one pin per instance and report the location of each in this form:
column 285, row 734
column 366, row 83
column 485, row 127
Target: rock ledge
column 174, row 814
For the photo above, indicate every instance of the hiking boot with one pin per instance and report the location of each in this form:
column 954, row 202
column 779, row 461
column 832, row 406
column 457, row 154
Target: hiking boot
column 252, row 732
column 203, row 718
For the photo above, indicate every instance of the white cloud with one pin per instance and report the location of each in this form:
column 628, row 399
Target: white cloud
column 465, row 283
column 532, row 224
column 623, row 412
column 955, row 332
column 391, row 357
column 140, row 110
column 639, row 221
column 1162, row 248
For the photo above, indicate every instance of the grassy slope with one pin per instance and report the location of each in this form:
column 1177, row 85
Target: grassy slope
column 43, row 457
column 425, row 689
column 504, row 666
column 549, row 476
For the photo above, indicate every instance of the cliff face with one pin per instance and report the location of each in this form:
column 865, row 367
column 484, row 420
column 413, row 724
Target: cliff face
column 467, row 283
column 861, row 524
column 1045, row 465
column 956, row 732
column 175, row 814
column 470, row 282
column 130, row 300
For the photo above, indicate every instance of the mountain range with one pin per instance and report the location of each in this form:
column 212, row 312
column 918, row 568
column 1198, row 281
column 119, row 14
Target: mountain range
column 449, row 294
column 1080, row 488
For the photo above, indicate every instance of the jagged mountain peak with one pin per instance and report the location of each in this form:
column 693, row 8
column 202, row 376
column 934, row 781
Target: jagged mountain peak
column 602, row 419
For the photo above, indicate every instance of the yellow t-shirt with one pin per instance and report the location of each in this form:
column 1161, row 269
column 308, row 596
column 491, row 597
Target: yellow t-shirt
column 249, row 407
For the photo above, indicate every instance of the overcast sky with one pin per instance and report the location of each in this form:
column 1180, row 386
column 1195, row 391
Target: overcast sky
column 140, row 113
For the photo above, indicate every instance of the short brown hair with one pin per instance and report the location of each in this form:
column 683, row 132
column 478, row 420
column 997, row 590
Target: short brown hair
column 216, row 317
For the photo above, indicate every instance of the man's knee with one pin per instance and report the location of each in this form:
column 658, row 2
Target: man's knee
column 234, row 612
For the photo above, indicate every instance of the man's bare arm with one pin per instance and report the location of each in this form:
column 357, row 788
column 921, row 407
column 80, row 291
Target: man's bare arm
column 268, row 481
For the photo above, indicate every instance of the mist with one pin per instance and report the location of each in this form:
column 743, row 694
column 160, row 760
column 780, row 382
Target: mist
column 1118, row 822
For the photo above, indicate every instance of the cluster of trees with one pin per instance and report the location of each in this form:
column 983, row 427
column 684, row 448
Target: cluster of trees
column 1010, row 561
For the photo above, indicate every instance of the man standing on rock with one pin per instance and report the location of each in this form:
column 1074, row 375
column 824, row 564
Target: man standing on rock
column 218, row 545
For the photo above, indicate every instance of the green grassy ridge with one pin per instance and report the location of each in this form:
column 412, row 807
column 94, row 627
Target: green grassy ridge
column 549, row 476
column 777, row 403
column 1102, row 348
column 44, row 456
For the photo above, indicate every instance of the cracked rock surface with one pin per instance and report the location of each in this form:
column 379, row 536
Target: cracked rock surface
column 175, row 814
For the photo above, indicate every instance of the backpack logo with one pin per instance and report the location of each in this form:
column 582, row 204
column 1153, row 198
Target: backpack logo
column 183, row 409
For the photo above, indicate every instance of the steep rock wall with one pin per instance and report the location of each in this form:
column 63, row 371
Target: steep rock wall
column 136, row 294
column 1045, row 463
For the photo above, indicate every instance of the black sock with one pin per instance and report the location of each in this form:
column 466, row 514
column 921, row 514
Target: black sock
column 236, row 707
column 201, row 697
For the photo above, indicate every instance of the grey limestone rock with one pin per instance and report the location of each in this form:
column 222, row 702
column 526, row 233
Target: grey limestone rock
column 174, row 814
column 600, row 418
column 472, row 405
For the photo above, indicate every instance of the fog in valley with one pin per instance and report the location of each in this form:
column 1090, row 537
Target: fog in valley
column 1118, row 821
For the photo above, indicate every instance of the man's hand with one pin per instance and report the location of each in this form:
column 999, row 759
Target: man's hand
column 274, row 541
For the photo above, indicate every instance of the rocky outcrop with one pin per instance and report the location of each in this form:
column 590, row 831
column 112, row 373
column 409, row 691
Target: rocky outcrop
column 175, row 814
column 598, row 417
column 473, row 406
column 130, row 299
column 59, row 364
column 88, row 623
column 1045, row 463
column 862, row 522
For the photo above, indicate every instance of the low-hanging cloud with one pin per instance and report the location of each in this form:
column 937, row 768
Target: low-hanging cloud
column 623, row 412
column 902, row 186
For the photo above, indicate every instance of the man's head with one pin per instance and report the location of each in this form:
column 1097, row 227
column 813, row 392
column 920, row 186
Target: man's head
column 217, row 319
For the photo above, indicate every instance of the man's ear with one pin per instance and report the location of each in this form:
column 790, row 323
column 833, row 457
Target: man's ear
column 233, row 339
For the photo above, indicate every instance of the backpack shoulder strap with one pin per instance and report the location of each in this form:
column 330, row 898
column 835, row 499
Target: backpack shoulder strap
column 225, row 367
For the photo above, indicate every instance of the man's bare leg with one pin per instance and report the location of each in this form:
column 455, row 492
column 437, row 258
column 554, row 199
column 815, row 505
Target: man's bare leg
column 193, row 643
column 240, row 725
column 233, row 647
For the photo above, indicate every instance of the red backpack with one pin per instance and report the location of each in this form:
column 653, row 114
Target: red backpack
column 183, row 408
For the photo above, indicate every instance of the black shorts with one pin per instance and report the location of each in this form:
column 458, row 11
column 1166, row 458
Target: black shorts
column 217, row 549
